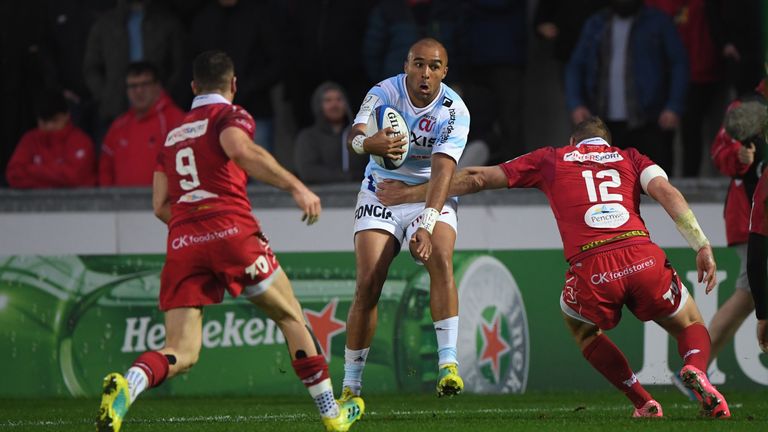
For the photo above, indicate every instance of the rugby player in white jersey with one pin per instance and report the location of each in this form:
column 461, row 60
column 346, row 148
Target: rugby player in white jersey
column 439, row 123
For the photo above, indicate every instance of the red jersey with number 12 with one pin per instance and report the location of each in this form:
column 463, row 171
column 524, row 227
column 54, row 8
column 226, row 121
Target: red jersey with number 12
column 202, row 180
column 593, row 190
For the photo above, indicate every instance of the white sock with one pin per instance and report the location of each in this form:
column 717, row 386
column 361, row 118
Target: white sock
column 354, row 363
column 137, row 381
column 322, row 393
column 447, row 332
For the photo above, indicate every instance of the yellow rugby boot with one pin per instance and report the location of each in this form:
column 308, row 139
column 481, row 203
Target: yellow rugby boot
column 350, row 411
column 115, row 401
column 449, row 383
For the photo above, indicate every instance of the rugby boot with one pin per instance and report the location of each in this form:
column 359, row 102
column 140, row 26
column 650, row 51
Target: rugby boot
column 115, row 400
column 350, row 411
column 649, row 410
column 713, row 404
column 449, row 383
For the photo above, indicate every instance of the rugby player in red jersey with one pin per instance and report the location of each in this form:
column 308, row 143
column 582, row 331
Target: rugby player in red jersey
column 757, row 259
column 215, row 244
column 594, row 192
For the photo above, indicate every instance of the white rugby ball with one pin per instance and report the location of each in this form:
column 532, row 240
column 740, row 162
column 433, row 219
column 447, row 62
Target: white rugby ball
column 382, row 117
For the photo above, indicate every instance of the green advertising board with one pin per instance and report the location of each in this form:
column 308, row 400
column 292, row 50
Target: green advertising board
column 66, row 321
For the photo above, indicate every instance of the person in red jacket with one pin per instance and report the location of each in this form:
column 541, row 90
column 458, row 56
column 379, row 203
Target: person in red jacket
column 130, row 147
column 737, row 160
column 56, row 154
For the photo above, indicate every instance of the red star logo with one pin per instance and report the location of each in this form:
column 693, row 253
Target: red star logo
column 494, row 347
column 325, row 326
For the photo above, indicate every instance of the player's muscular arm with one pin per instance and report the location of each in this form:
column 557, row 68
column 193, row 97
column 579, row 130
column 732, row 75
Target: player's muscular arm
column 381, row 143
column 160, row 202
column 466, row 181
column 262, row 166
column 674, row 203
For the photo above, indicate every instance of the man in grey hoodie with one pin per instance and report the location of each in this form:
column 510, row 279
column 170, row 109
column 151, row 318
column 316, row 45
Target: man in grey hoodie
column 321, row 155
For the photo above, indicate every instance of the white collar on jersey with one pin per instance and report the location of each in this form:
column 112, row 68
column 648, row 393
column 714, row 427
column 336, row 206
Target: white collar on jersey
column 594, row 141
column 208, row 99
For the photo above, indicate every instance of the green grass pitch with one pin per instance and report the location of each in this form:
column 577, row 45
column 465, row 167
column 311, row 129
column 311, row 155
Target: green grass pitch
column 561, row 412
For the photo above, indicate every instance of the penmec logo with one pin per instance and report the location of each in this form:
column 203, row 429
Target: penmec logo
column 611, row 215
column 494, row 341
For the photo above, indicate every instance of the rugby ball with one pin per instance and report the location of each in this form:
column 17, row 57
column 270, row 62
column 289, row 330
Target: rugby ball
column 382, row 117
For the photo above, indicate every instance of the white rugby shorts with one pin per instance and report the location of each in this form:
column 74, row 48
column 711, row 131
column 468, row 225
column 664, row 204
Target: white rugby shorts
column 400, row 220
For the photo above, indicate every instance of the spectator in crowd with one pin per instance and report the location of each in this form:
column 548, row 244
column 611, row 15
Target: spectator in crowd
column 130, row 147
column 321, row 152
column 21, row 31
column 630, row 67
column 56, row 154
column 739, row 159
column 327, row 37
column 494, row 47
column 741, row 42
column 66, row 25
column 246, row 30
column 133, row 31
column 560, row 21
column 395, row 25
column 695, row 20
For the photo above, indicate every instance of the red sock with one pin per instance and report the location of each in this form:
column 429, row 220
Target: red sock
column 693, row 344
column 311, row 370
column 155, row 365
column 608, row 359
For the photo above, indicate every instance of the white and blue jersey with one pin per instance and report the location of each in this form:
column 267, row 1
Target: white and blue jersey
column 440, row 127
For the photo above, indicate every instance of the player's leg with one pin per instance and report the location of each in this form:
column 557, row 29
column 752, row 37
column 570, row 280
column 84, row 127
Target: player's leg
column 374, row 251
column 693, row 345
column 183, row 338
column 444, row 305
column 608, row 359
column 735, row 310
column 275, row 296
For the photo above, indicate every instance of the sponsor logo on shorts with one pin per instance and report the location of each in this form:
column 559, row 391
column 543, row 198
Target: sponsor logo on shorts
column 611, row 215
column 598, row 157
column 614, row 275
column 193, row 240
column 373, row 210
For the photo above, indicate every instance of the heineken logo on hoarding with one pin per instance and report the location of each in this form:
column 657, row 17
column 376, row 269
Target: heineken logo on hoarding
column 493, row 345
column 325, row 326
column 493, row 330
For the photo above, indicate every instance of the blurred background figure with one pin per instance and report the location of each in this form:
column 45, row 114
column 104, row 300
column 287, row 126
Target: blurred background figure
column 55, row 154
column 705, row 100
column 135, row 30
column 128, row 154
column 321, row 152
column 246, row 31
column 629, row 67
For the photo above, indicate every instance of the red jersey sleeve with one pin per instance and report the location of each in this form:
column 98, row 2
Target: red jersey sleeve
column 526, row 171
column 639, row 160
column 236, row 116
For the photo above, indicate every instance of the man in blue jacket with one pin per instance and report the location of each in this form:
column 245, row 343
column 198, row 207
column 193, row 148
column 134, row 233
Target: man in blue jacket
column 630, row 67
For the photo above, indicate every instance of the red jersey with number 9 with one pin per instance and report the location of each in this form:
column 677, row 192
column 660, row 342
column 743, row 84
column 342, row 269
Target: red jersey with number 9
column 202, row 180
column 593, row 190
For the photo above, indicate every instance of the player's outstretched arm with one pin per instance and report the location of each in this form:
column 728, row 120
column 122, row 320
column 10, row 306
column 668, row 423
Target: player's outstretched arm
column 466, row 181
column 262, row 166
column 674, row 203
column 160, row 202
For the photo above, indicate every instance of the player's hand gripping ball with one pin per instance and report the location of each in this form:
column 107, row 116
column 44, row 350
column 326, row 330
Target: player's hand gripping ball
column 384, row 117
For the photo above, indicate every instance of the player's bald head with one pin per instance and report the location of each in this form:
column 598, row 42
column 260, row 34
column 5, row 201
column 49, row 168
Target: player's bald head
column 428, row 48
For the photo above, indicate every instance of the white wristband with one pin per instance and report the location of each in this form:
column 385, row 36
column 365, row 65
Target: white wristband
column 429, row 219
column 691, row 231
column 357, row 144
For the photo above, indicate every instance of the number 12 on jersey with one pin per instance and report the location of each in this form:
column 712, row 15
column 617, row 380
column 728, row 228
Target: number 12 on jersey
column 605, row 196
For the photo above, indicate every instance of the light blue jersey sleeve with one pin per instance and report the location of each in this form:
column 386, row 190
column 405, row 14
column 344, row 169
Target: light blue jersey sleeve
column 380, row 94
column 454, row 127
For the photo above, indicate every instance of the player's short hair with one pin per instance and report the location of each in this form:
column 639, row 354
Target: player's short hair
column 141, row 68
column 212, row 70
column 50, row 103
column 591, row 128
